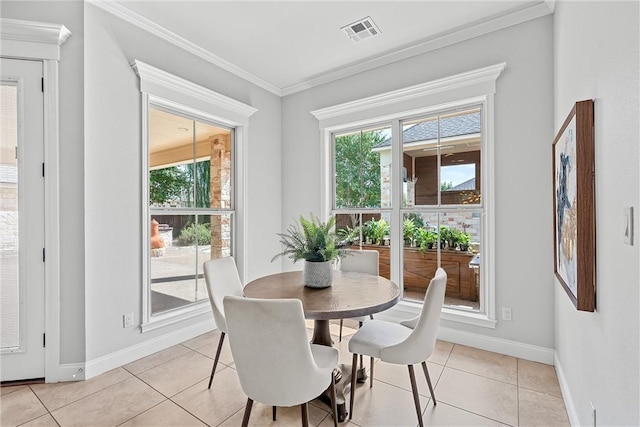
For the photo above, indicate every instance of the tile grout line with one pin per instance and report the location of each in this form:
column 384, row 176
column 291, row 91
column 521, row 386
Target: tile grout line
column 90, row 394
column 153, row 367
column 143, row 412
column 518, row 388
column 43, row 405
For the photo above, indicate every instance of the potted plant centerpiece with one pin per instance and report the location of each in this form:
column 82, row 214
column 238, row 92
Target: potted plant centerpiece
column 316, row 244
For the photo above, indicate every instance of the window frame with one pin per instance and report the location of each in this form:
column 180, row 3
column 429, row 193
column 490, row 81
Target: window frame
column 472, row 87
column 159, row 88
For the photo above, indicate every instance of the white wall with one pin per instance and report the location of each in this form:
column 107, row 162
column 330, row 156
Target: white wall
column 72, row 243
column 523, row 136
column 596, row 57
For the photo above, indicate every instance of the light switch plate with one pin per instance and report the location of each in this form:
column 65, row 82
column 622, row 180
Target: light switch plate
column 628, row 225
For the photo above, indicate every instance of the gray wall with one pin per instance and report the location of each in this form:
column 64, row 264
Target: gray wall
column 113, row 171
column 596, row 57
column 100, row 164
column 72, row 225
column 523, row 134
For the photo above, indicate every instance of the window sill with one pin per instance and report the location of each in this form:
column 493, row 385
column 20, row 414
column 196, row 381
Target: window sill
column 176, row 316
column 408, row 309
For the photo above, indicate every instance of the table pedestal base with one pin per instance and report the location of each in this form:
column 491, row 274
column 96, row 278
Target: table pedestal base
column 322, row 336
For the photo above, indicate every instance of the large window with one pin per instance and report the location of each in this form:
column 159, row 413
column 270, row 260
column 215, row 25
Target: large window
column 191, row 205
column 434, row 153
column 440, row 194
column 193, row 145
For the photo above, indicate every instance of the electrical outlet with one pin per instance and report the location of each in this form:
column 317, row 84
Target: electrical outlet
column 127, row 320
column 506, row 314
column 593, row 414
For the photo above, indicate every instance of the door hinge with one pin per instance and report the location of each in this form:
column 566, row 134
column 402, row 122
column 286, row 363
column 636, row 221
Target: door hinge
column 43, row 255
column 42, row 80
column 44, row 340
column 43, row 169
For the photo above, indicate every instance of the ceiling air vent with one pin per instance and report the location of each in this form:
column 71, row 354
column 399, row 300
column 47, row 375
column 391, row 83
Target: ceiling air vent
column 362, row 29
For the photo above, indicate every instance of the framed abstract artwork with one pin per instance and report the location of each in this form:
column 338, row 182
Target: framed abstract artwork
column 574, row 206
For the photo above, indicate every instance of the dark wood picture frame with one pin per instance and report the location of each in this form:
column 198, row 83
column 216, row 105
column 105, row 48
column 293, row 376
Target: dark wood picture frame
column 574, row 231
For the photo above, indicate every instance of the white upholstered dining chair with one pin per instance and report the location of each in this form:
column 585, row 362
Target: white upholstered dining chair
column 276, row 364
column 407, row 343
column 222, row 279
column 360, row 261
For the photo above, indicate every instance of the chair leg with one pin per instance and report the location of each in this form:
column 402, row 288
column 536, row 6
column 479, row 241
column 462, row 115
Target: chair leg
column 341, row 322
column 247, row 412
column 274, row 412
column 416, row 398
column 215, row 361
column 426, row 374
column 371, row 373
column 354, row 365
column 305, row 414
column 334, row 399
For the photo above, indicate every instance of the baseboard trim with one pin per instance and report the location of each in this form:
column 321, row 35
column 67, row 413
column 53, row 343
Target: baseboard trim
column 127, row 355
column 566, row 394
column 471, row 339
column 71, row 372
column 498, row 345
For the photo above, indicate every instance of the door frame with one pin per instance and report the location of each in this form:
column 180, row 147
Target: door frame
column 41, row 42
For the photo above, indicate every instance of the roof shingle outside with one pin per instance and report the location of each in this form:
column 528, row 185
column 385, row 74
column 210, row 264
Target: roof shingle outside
column 450, row 126
column 469, row 184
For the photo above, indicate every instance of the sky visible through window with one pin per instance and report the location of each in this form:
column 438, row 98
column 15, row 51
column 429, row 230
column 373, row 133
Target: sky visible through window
column 457, row 174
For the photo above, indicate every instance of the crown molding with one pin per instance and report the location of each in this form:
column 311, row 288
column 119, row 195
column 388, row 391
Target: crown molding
column 21, row 37
column 115, row 8
column 529, row 11
column 481, row 75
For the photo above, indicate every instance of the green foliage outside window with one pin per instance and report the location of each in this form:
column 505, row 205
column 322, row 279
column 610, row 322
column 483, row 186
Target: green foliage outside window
column 192, row 233
column 358, row 170
column 174, row 184
column 166, row 184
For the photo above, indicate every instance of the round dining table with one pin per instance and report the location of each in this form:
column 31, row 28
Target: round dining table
column 351, row 294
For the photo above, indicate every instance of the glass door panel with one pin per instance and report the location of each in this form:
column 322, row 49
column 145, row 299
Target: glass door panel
column 9, row 224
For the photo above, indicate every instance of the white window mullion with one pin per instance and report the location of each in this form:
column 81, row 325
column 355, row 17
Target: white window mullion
column 396, row 203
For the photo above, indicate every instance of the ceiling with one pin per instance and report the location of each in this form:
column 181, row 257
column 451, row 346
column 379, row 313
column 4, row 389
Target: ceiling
column 288, row 46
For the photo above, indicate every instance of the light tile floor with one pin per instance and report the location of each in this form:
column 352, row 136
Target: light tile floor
column 169, row 388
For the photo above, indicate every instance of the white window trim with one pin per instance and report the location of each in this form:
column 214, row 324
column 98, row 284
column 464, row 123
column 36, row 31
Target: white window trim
column 42, row 41
column 475, row 86
column 162, row 88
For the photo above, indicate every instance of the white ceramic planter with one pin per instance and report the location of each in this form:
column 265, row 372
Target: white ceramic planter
column 317, row 274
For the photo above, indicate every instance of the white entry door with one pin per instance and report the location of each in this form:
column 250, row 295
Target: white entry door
column 22, row 253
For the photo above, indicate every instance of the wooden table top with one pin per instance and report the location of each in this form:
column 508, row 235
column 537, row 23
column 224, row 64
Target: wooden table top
column 350, row 295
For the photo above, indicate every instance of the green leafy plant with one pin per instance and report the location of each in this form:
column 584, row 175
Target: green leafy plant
column 425, row 239
column 417, row 219
column 376, row 230
column 349, row 235
column 447, row 235
column 408, row 230
column 464, row 240
column 192, row 234
column 310, row 240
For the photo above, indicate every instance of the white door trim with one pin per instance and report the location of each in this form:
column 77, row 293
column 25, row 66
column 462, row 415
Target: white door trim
column 42, row 41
